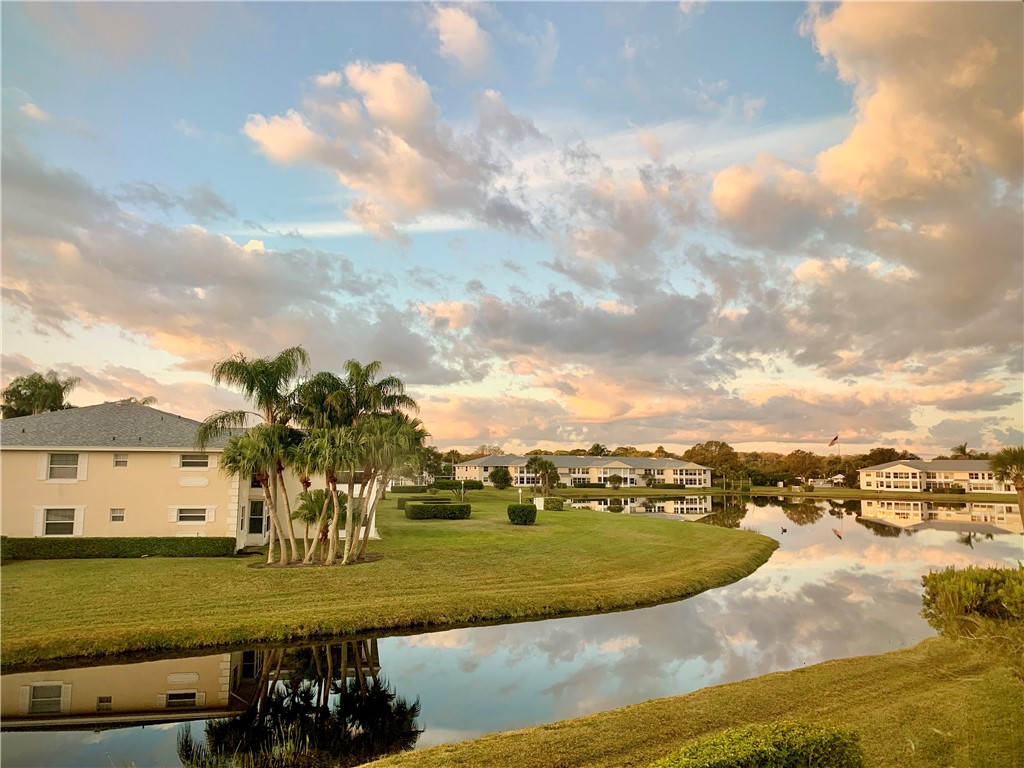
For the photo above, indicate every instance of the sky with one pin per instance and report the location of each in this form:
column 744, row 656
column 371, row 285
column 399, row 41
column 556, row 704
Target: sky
column 558, row 223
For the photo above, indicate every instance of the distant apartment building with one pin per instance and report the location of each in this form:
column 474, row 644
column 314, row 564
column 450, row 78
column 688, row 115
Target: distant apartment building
column 582, row 470
column 974, row 476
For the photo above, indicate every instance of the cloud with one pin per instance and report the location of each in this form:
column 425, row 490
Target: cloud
column 461, row 38
column 390, row 146
column 35, row 112
column 201, row 202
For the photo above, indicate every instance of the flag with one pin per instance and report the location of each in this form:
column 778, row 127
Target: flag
column 833, row 441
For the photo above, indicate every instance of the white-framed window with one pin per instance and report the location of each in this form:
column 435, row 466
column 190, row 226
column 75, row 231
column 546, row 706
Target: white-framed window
column 195, row 461
column 104, row 703
column 65, row 467
column 117, row 514
column 190, row 514
column 46, row 697
column 181, row 699
column 120, row 459
column 59, row 521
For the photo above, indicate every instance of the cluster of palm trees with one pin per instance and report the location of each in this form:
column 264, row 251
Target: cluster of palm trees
column 330, row 426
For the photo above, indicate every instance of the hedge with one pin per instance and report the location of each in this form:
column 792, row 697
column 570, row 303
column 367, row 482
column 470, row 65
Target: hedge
column 554, row 504
column 589, row 485
column 775, row 745
column 458, row 485
column 672, row 486
column 424, row 499
column 420, row 510
column 522, row 514
column 409, row 488
column 77, row 547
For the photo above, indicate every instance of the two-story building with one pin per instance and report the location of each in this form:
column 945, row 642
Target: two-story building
column 974, row 476
column 123, row 469
column 580, row 470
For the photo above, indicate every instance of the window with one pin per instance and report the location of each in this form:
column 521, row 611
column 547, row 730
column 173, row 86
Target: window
column 192, row 515
column 63, row 466
column 117, row 515
column 59, row 522
column 181, row 699
column 46, row 699
column 120, row 459
column 104, row 703
column 195, row 460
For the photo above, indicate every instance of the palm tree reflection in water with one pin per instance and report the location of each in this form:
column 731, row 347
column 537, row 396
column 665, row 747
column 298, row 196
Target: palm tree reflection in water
column 321, row 706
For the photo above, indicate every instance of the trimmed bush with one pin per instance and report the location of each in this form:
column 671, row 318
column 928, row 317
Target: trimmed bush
column 425, row 499
column 420, row 510
column 744, row 488
column 672, row 486
column 616, row 506
column 456, row 485
column 807, row 487
column 522, row 514
column 775, row 745
column 589, row 485
column 553, row 504
column 81, row 547
column 409, row 488
column 955, row 488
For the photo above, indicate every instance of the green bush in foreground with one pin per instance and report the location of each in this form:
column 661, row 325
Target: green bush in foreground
column 776, row 745
column 554, row 504
column 419, row 510
column 125, row 546
column 522, row 514
column 456, row 486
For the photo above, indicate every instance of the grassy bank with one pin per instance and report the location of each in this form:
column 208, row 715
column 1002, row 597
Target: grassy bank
column 937, row 704
column 431, row 573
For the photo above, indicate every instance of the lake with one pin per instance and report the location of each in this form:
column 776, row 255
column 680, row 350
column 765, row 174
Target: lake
column 845, row 581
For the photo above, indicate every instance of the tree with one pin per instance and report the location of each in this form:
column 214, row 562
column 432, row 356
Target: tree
column 615, row 481
column 598, row 450
column 544, row 471
column 885, row 455
column 961, row 452
column 720, row 457
column 500, row 478
column 1008, row 467
column 36, row 393
column 267, row 384
column 804, row 464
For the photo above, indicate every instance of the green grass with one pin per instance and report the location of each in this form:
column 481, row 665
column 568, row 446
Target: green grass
column 937, row 704
column 431, row 573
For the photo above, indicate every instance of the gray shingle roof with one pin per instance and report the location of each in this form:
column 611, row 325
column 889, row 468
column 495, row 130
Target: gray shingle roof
column 121, row 424
column 565, row 462
column 941, row 465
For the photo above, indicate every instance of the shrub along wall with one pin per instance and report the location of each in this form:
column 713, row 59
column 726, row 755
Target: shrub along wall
column 779, row 745
column 589, row 485
column 554, row 504
column 522, row 514
column 127, row 546
column 424, row 499
column 420, row 510
column 408, row 488
column 672, row 486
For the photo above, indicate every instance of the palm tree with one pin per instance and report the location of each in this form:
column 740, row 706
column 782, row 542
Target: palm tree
column 1008, row 467
column 961, row 452
column 36, row 393
column 327, row 450
column 267, row 384
column 254, row 453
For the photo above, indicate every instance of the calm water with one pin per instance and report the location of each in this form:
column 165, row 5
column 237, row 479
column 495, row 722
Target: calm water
column 841, row 584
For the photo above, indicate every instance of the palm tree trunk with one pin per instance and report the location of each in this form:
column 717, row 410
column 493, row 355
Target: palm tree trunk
column 349, row 516
column 380, row 482
column 332, row 544
column 274, row 530
column 317, row 531
column 1019, row 487
column 283, row 560
column 288, row 514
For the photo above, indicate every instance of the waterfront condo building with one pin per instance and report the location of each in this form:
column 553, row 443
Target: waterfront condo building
column 581, row 470
column 974, row 476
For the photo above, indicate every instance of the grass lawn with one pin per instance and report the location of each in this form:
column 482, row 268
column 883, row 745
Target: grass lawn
column 936, row 704
column 431, row 573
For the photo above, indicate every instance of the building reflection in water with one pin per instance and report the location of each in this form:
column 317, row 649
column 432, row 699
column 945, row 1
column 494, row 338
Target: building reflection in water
column 963, row 517
column 313, row 705
column 693, row 507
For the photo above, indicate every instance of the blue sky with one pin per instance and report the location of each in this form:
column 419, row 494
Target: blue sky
column 560, row 223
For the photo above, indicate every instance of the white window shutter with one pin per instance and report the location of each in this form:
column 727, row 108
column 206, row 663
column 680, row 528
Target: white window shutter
column 172, row 514
column 211, row 514
column 44, row 466
column 40, row 512
column 176, row 460
column 161, row 700
column 79, row 522
column 65, row 697
column 83, row 466
column 26, row 699
column 201, row 699
column 213, row 460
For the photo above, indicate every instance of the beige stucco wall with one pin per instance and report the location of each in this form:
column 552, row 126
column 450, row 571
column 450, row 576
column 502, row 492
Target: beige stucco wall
column 149, row 489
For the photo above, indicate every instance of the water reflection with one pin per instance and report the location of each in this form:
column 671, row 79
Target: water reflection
column 319, row 705
column 819, row 597
column 683, row 506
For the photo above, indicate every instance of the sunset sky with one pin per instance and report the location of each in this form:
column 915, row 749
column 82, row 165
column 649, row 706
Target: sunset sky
column 559, row 223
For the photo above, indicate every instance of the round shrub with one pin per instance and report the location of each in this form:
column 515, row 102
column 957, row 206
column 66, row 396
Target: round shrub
column 522, row 514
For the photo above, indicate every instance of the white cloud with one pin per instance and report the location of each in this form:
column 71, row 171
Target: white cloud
column 461, row 38
column 35, row 112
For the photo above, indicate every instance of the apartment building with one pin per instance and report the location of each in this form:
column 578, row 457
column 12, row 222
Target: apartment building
column 580, row 470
